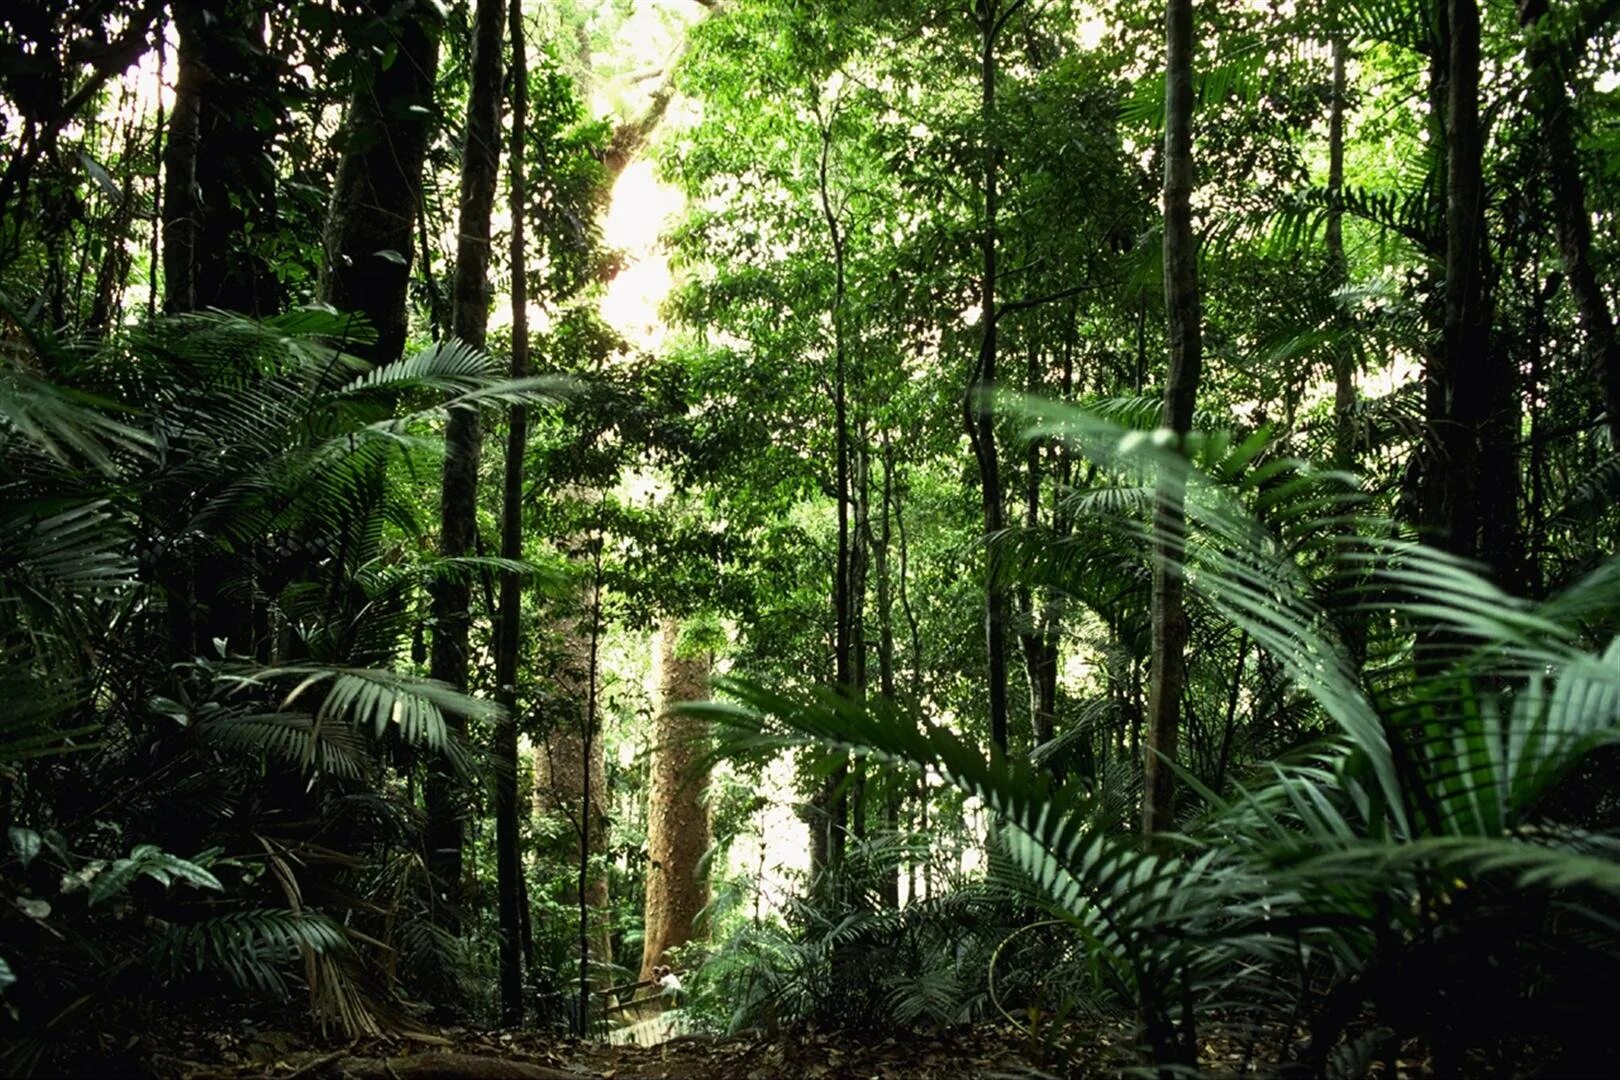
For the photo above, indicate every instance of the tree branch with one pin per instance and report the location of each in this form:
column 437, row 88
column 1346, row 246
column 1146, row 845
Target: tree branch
column 1036, row 301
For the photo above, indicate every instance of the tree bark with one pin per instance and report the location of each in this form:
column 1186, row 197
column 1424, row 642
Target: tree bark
column 860, row 547
column 1555, row 113
column 570, row 778
column 1185, row 328
column 830, row 807
column 458, row 507
column 979, row 403
column 1034, row 632
column 508, row 859
column 378, row 189
column 677, row 815
column 1472, row 408
column 219, row 178
column 889, row 885
column 1344, row 371
column 1352, row 622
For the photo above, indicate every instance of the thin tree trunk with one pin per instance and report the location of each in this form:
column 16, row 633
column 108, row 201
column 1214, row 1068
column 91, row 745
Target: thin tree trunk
column 159, row 156
column 889, row 886
column 591, row 762
column 833, row 816
column 858, row 556
column 508, row 859
column 1040, row 660
column 1535, row 584
column 1352, row 621
column 452, row 596
column 1555, row 115
column 1063, row 526
column 378, row 189
column 978, row 402
column 677, row 816
column 914, row 638
column 1344, row 372
column 1182, row 307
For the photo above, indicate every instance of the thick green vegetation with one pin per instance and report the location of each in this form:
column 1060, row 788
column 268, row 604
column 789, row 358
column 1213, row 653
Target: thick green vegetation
column 1108, row 525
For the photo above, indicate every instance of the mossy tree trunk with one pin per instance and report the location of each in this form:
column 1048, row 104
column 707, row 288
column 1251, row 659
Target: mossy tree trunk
column 678, row 833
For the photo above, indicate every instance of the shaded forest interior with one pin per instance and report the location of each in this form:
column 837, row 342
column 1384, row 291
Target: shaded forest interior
column 749, row 538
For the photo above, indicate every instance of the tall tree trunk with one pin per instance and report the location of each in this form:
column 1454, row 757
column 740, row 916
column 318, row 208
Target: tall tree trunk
column 1185, row 326
column 1344, row 372
column 677, row 816
column 378, row 189
column 889, row 886
column 1459, row 392
column 570, row 778
column 1473, row 410
column 593, row 775
column 219, row 183
column 979, row 403
column 830, row 808
column 1034, row 631
column 508, row 860
column 860, row 547
column 1352, row 622
column 219, row 199
column 458, row 507
column 1555, row 113
column 1063, row 526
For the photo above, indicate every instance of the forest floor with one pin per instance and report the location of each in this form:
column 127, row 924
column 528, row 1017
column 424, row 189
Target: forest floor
column 983, row 1051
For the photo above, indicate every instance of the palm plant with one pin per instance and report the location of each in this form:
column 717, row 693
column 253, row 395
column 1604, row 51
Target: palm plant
column 209, row 570
column 1391, row 879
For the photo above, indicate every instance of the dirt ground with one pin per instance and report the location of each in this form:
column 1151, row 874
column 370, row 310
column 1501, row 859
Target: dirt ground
column 468, row 1055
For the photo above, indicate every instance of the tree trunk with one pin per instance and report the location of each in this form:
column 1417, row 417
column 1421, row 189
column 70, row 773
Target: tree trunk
column 1344, row 372
column 979, row 403
column 218, row 201
column 1471, row 407
column 1555, row 113
column 1034, row 633
column 1182, row 308
column 859, row 675
column 508, row 859
column 830, row 807
column 385, row 138
column 677, row 815
column 219, row 176
column 452, row 597
column 1353, row 623
column 889, row 885
column 570, row 778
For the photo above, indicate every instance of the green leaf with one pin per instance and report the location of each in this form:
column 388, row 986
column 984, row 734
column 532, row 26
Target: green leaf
column 113, row 880
column 25, row 842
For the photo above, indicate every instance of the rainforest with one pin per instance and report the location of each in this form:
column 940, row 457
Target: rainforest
column 734, row 539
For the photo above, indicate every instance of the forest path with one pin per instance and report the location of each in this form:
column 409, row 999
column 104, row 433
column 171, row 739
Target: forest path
column 982, row 1051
